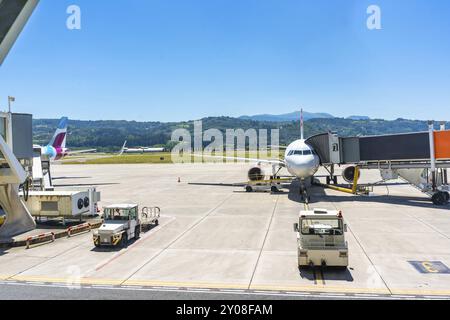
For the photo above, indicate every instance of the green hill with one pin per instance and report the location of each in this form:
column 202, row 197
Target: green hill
column 110, row 135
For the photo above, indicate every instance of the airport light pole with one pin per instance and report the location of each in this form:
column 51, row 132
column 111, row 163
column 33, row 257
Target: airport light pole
column 10, row 99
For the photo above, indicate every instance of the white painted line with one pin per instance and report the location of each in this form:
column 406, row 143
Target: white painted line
column 97, row 286
column 197, row 289
column 267, row 292
column 132, row 287
column 437, row 297
column 366, row 295
column 231, row 291
column 333, row 294
column 299, row 293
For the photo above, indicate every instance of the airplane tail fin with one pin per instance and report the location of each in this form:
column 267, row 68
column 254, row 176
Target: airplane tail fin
column 302, row 131
column 123, row 148
column 60, row 136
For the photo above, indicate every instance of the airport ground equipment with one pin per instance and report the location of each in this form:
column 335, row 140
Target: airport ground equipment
column 274, row 184
column 65, row 204
column 42, row 178
column 123, row 222
column 321, row 239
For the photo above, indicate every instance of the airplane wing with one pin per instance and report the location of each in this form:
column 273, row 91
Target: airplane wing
column 81, row 151
column 279, row 147
column 279, row 162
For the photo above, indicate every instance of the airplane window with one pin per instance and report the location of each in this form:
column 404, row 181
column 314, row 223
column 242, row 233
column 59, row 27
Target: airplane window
column 307, row 152
column 298, row 152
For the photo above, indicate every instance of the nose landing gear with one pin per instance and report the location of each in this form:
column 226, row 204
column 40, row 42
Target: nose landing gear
column 304, row 193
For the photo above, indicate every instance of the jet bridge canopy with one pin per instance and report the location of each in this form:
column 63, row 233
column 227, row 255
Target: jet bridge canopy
column 14, row 15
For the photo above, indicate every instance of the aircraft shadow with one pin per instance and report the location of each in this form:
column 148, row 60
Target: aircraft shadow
column 317, row 194
column 67, row 178
column 85, row 185
column 420, row 202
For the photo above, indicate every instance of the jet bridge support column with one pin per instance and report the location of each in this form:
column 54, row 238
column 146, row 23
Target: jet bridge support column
column 18, row 218
column 432, row 155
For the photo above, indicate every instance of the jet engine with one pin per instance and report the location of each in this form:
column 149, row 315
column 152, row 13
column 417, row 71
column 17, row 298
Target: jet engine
column 349, row 174
column 255, row 174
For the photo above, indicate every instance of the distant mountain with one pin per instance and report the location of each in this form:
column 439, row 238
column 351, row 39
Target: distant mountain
column 294, row 116
column 358, row 118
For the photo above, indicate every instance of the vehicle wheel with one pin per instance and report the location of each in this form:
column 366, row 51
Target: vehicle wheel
column 438, row 199
column 335, row 180
column 274, row 189
column 137, row 233
column 328, row 180
column 446, row 196
column 124, row 240
column 157, row 223
column 248, row 189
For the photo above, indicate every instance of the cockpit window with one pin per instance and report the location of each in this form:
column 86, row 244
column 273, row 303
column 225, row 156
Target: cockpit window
column 301, row 152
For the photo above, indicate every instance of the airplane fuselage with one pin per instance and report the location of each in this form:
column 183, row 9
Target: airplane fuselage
column 54, row 153
column 301, row 160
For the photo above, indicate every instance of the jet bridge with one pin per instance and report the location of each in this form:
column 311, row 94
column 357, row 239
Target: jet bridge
column 421, row 158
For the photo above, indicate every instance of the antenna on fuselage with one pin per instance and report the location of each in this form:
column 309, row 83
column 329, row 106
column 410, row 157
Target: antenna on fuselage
column 302, row 133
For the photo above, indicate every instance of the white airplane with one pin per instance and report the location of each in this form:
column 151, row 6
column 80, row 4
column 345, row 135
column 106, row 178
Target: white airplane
column 139, row 150
column 300, row 160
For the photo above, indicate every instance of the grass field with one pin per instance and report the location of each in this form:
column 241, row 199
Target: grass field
column 160, row 158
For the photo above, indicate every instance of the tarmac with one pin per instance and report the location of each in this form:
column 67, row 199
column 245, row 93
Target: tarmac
column 218, row 237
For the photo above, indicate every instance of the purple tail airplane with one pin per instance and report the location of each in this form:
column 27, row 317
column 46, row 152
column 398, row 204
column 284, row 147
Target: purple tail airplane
column 56, row 149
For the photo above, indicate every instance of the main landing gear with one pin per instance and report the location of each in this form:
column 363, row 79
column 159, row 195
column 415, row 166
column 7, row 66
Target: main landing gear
column 440, row 198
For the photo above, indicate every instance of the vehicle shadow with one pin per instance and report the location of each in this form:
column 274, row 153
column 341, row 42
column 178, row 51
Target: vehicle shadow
column 329, row 273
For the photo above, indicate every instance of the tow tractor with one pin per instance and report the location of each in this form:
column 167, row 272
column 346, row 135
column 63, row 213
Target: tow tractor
column 321, row 239
column 123, row 222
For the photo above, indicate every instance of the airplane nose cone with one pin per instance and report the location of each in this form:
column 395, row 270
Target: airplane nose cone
column 302, row 167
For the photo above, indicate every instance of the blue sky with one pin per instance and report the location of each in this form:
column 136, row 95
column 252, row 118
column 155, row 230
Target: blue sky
column 170, row 60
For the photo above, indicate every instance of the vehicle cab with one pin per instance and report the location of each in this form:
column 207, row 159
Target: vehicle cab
column 321, row 239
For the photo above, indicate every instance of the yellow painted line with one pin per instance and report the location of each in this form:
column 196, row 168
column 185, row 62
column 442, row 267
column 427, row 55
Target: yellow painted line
column 319, row 277
column 83, row 281
column 199, row 285
column 205, row 285
column 420, row 292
